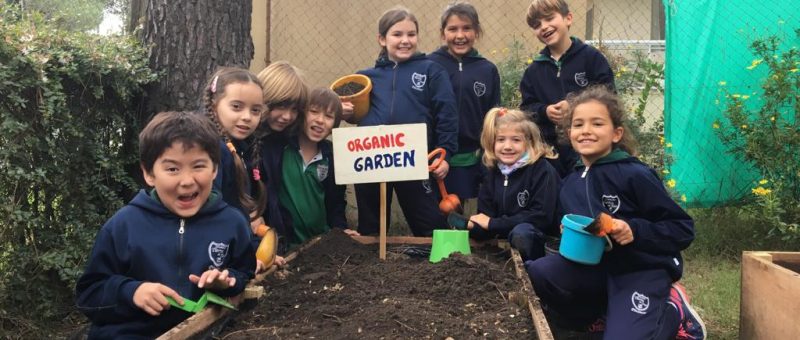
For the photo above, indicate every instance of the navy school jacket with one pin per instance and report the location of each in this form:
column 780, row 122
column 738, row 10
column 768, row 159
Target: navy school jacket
column 417, row 90
column 272, row 162
column 622, row 186
column 527, row 195
column 546, row 81
column 145, row 242
column 476, row 84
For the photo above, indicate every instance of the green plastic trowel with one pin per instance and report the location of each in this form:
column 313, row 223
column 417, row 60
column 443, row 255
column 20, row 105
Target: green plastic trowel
column 196, row 306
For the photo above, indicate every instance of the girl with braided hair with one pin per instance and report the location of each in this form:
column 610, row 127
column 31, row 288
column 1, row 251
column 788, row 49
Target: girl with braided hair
column 234, row 103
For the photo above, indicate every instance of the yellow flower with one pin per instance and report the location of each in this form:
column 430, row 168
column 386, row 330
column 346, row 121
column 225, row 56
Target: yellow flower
column 794, row 70
column 661, row 139
column 530, row 61
column 715, row 125
column 623, row 69
column 736, row 95
column 745, row 97
column 755, row 63
column 505, row 50
column 665, row 171
column 669, row 145
column 772, row 118
column 683, row 198
column 760, row 191
column 744, row 126
column 671, row 183
column 722, row 83
column 763, row 181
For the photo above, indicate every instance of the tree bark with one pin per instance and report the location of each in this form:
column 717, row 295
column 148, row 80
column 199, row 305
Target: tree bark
column 188, row 40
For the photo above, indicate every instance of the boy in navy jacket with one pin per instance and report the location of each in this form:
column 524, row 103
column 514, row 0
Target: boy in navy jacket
column 175, row 240
column 300, row 172
column 564, row 66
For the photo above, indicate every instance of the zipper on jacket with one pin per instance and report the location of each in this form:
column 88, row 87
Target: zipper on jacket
column 505, row 185
column 558, row 73
column 586, row 183
column 394, row 92
column 459, row 67
column 181, row 231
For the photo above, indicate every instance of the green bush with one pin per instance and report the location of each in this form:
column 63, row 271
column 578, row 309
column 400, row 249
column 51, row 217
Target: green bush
column 66, row 139
column 763, row 130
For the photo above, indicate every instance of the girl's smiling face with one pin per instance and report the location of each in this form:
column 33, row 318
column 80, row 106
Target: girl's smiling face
column 591, row 132
column 400, row 41
column 510, row 144
column 459, row 35
column 239, row 110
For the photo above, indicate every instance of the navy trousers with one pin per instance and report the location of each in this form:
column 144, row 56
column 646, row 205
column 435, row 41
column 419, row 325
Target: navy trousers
column 417, row 200
column 525, row 238
column 633, row 304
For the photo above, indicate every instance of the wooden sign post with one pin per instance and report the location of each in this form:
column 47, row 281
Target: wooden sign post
column 380, row 154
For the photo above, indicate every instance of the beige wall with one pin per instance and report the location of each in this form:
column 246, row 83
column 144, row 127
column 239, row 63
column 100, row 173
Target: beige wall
column 329, row 39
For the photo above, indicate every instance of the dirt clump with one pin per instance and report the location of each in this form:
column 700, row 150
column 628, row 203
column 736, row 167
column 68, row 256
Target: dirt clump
column 348, row 89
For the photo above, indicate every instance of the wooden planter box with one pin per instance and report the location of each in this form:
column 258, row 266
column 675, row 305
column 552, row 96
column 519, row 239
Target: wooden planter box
column 206, row 319
column 770, row 303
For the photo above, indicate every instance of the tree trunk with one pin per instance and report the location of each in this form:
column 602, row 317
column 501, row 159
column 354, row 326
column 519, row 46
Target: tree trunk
column 188, row 40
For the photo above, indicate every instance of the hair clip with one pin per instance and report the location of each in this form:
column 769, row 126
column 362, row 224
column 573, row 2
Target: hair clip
column 231, row 147
column 214, row 84
column 256, row 175
column 502, row 112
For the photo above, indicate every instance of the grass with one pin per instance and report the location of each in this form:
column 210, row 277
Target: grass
column 713, row 286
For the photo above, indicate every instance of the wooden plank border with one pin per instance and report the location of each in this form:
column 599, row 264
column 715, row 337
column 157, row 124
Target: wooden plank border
column 534, row 306
column 769, row 296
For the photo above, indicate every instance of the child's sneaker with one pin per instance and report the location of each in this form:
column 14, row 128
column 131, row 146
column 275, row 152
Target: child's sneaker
column 691, row 326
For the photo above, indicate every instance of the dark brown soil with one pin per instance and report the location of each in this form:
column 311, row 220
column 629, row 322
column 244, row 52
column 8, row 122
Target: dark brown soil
column 793, row 266
column 339, row 289
column 348, row 89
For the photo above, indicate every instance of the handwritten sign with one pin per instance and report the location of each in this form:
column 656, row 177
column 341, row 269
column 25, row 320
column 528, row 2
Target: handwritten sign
column 383, row 153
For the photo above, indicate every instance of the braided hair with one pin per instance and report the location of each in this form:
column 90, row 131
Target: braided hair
column 212, row 94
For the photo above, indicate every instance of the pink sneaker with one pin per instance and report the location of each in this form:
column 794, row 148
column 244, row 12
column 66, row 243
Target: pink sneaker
column 691, row 327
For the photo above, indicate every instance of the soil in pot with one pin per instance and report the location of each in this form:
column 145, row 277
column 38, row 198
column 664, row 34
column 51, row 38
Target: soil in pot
column 339, row 289
column 348, row 89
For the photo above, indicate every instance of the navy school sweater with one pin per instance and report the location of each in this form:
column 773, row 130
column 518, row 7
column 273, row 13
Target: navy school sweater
column 546, row 81
column 622, row 186
column 417, row 90
column 145, row 242
column 527, row 195
column 476, row 84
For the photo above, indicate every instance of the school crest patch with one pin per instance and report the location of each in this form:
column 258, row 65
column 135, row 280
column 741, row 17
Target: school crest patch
column 217, row 252
column 640, row 303
column 479, row 88
column 522, row 198
column 580, row 79
column 611, row 202
column 322, row 172
column 418, row 81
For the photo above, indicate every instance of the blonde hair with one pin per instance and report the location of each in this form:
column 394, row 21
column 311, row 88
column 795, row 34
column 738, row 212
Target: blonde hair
column 539, row 9
column 283, row 86
column 500, row 116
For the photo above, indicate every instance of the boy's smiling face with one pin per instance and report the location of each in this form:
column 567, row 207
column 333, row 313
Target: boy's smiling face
column 553, row 28
column 183, row 178
column 319, row 123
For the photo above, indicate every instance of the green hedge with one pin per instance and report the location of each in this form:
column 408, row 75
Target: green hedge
column 67, row 136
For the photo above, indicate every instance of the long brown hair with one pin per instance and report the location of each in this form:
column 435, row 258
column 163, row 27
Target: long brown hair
column 213, row 93
column 389, row 18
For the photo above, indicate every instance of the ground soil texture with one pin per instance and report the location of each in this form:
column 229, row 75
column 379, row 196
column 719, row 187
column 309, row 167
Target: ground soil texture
column 339, row 289
column 349, row 89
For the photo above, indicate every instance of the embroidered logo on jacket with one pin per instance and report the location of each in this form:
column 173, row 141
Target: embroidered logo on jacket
column 418, row 80
column 522, row 198
column 580, row 79
column 479, row 88
column 217, row 252
column 322, row 172
column 640, row 303
column 611, row 202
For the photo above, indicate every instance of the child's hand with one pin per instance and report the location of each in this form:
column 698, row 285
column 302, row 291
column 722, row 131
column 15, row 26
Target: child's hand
column 351, row 232
column 556, row 111
column 213, row 279
column 347, row 111
column 480, row 219
column 621, row 232
column 150, row 297
column 441, row 171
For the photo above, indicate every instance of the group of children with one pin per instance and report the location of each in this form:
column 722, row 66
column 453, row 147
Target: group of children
column 259, row 155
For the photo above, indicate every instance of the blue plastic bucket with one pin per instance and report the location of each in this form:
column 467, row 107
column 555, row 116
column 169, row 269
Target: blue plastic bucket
column 578, row 245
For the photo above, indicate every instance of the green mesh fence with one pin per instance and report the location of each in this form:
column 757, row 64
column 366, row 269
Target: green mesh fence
column 707, row 48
